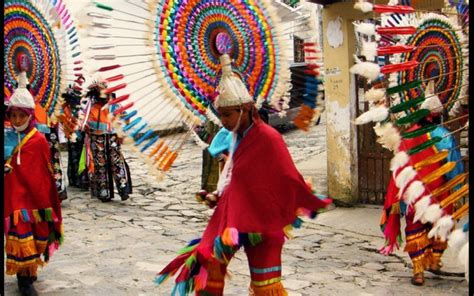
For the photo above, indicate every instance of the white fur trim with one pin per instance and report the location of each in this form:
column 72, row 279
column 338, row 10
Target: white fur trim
column 363, row 6
column 421, row 206
column 369, row 50
column 375, row 114
column 457, row 239
column 367, row 69
column 432, row 214
column 405, row 176
column 414, row 191
column 374, row 94
column 365, row 28
column 441, row 228
column 399, row 160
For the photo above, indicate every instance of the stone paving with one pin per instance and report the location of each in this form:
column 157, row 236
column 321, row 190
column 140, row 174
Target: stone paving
column 116, row 248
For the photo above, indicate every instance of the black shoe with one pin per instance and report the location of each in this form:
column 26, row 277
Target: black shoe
column 105, row 199
column 125, row 196
column 63, row 195
column 25, row 285
column 28, row 290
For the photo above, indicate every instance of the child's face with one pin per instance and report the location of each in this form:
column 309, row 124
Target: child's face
column 229, row 116
column 18, row 117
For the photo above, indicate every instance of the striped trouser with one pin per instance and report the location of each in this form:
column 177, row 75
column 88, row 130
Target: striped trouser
column 265, row 270
column 423, row 251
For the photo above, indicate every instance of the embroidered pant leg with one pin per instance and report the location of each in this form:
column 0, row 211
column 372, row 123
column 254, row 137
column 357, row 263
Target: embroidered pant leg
column 72, row 163
column 119, row 168
column 99, row 177
column 265, row 266
column 53, row 141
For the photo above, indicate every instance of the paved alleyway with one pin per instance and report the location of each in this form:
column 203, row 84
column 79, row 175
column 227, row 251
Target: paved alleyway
column 116, row 248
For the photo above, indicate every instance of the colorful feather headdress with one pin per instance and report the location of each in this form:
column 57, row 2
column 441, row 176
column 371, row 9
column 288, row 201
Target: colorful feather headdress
column 44, row 33
column 162, row 61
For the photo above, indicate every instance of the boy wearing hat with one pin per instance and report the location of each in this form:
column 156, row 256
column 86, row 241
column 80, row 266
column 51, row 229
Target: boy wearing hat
column 32, row 211
column 259, row 196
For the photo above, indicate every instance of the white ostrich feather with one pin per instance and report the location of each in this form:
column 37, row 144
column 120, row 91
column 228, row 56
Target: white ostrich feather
column 457, row 239
column 363, row 6
column 441, row 228
column 421, row 206
column 432, row 214
column 405, row 176
column 389, row 138
column 400, row 159
column 374, row 94
column 414, row 191
column 463, row 258
column 365, row 28
column 369, row 50
column 375, row 114
column 367, row 69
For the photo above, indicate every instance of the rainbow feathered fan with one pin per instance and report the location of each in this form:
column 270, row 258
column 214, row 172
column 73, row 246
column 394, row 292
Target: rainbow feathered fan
column 428, row 65
column 44, row 33
column 161, row 59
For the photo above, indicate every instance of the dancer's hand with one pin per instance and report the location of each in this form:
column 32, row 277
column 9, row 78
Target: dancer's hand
column 7, row 169
column 211, row 199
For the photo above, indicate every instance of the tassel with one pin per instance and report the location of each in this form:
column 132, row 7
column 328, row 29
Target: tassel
column 457, row 239
column 374, row 94
column 255, row 238
column 287, row 230
column 297, row 223
column 25, row 216
column 421, row 206
column 414, row 191
column 230, row 237
column 200, row 280
column 375, row 114
column 441, row 228
column 363, row 6
column 367, row 69
column 399, row 160
column 432, row 214
column 405, row 176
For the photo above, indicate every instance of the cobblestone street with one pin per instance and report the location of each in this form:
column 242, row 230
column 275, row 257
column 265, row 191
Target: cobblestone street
column 117, row 248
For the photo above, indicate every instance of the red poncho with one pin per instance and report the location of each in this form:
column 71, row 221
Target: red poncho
column 265, row 195
column 265, row 191
column 30, row 202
